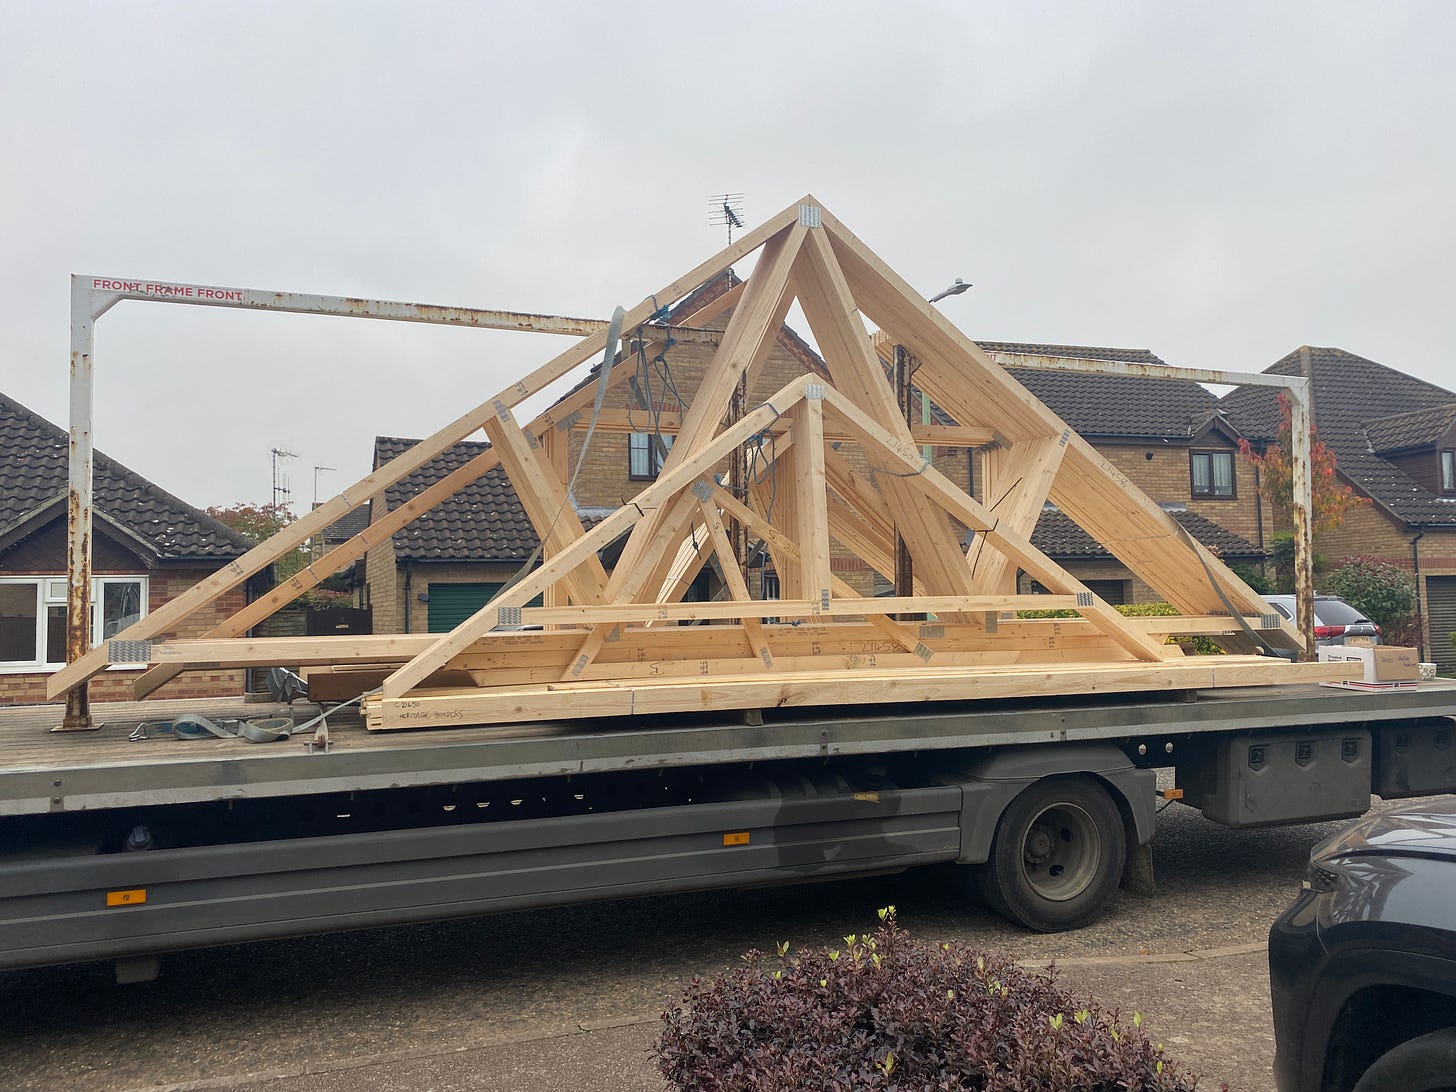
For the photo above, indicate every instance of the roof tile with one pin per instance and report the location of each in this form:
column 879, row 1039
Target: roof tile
column 1060, row 538
column 1106, row 406
column 483, row 522
column 35, row 471
column 1351, row 393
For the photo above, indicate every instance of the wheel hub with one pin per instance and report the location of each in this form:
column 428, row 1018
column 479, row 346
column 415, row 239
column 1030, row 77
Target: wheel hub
column 1038, row 845
column 1061, row 852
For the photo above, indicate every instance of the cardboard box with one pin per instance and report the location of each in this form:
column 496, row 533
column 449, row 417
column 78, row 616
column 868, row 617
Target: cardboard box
column 1382, row 663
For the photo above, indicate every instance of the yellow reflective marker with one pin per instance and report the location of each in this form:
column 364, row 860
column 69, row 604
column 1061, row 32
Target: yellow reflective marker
column 126, row 898
column 738, row 839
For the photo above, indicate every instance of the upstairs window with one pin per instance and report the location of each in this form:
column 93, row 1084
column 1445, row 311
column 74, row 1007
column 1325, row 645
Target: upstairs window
column 1212, row 473
column 644, row 457
column 1448, row 472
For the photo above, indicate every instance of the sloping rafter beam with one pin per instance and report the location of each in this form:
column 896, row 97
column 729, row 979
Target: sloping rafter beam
column 177, row 610
column 940, row 489
column 669, row 483
column 747, row 340
column 544, row 498
column 550, row 427
column 833, row 314
column 960, row 377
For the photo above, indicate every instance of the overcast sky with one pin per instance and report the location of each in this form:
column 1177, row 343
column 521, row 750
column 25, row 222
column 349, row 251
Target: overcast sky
column 1218, row 182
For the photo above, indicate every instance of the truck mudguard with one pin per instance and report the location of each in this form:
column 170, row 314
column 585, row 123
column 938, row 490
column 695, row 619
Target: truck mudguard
column 989, row 784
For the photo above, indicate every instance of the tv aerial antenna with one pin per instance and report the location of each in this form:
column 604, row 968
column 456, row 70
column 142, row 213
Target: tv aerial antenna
column 282, row 494
column 726, row 209
column 316, row 471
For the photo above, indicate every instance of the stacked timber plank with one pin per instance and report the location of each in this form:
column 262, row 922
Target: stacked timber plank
column 825, row 466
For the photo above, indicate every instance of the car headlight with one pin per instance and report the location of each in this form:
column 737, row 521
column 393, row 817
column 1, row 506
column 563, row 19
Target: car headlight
column 1320, row 879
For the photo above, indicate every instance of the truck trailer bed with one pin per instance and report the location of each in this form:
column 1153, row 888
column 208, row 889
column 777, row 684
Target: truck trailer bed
column 42, row 772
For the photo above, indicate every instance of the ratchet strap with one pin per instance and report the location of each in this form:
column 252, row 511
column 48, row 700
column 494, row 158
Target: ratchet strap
column 196, row 726
column 1236, row 615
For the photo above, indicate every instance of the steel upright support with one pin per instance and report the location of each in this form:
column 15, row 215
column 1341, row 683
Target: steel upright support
column 904, row 395
column 1301, row 511
column 84, row 312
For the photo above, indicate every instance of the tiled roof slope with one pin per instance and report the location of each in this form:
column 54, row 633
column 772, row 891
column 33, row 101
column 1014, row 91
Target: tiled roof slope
column 482, row 522
column 1402, row 431
column 1058, row 537
column 34, row 472
column 1350, row 391
column 1109, row 406
column 348, row 525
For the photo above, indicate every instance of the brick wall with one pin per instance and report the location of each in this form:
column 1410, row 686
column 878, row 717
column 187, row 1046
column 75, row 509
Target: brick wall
column 1162, row 472
column 383, row 583
column 604, row 480
column 1370, row 531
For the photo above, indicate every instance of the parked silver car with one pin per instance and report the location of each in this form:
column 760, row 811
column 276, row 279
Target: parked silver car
column 1334, row 619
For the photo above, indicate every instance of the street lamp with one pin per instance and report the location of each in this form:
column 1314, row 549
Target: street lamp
column 955, row 289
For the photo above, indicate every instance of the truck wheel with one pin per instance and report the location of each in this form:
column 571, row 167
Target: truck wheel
column 1057, row 856
column 1424, row 1064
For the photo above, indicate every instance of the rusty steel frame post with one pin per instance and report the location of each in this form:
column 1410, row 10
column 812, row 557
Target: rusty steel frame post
column 738, row 476
column 1301, row 512
column 85, row 310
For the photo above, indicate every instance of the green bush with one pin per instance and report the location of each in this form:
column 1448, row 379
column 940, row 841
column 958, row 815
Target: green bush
column 887, row 1012
column 1281, row 554
column 1254, row 578
column 1384, row 593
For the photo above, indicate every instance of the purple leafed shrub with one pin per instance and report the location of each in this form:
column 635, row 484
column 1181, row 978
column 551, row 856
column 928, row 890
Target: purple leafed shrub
column 888, row 1012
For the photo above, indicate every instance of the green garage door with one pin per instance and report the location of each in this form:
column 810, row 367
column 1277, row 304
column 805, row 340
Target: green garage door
column 1441, row 610
column 451, row 604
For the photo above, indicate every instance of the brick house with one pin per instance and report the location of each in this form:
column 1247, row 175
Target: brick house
column 444, row 566
column 1168, row 437
column 148, row 547
column 1394, row 440
column 437, row 571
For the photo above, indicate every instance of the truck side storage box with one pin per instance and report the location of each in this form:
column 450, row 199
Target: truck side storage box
column 1415, row 758
column 1249, row 781
column 1382, row 663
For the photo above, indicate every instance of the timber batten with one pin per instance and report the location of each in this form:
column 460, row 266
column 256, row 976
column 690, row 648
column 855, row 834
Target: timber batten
column 838, row 472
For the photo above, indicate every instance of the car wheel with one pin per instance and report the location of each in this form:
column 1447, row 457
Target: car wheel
column 1057, row 856
column 1424, row 1064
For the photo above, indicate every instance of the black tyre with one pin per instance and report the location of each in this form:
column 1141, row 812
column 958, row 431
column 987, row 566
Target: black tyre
column 1424, row 1064
column 1058, row 854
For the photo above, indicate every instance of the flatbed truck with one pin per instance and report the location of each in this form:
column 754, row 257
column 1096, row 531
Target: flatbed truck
column 122, row 849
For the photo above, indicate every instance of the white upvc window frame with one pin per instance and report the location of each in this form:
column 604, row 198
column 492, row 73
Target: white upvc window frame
column 50, row 591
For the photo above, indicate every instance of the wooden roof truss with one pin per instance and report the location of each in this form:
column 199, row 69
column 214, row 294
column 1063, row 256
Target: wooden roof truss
column 840, row 470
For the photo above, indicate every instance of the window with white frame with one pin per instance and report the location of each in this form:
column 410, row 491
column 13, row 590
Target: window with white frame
column 33, row 617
